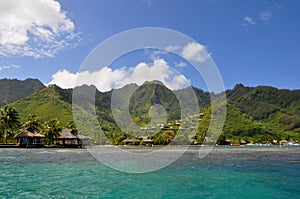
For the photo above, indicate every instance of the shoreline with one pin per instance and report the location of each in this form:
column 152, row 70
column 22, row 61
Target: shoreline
column 38, row 147
column 155, row 146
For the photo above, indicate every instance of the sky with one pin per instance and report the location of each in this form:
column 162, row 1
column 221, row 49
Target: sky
column 250, row 42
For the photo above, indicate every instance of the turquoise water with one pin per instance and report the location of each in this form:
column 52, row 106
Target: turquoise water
column 227, row 172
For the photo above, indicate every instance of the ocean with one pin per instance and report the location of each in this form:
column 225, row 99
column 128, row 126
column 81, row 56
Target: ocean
column 226, row 172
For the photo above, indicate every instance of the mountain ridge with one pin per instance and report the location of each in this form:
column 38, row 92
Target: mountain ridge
column 13, row 89
column 259, row 113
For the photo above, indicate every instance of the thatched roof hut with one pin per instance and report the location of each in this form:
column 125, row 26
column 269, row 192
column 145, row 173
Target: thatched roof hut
column 29, row 139
column 67, row 134
column 69, row 139
column 84, row 140
column 24, row 134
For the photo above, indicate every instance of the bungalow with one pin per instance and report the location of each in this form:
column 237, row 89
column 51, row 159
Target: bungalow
column 29, row 139
column 67, row 138
column 84, row 140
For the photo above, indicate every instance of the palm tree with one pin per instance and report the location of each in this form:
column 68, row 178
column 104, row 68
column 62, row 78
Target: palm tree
column 33, row 123
column 51, row 130
column 71, row 125
column 9, row 121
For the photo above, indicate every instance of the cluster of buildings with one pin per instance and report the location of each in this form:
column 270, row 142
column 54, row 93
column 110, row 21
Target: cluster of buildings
column 186, row 124
column 146, row 140
column 66, row 138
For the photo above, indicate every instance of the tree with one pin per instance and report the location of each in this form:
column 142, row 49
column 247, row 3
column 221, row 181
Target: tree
column 51, row 130
column 71, row 125
column 33, row 123
column 222, row 140
column 9, row 121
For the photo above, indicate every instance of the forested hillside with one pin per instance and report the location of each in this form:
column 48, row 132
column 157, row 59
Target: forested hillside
column 254, row 114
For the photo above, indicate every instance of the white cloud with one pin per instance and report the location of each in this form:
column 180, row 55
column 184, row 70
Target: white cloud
column 195, row 52
column 180, row 64
column 248, row 21
column 173, row 48
column 265, row 16
column 9, row 67
column 157, row 53
column 106, row 78
column 179, row 81
column 66, row 79
column 34, row 28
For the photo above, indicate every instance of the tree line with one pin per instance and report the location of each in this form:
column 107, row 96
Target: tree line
column 10, row 125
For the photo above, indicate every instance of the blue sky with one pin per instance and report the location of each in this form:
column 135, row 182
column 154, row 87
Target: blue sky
column 251, row 42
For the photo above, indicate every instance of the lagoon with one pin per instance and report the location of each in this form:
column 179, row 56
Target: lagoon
column 226, row 172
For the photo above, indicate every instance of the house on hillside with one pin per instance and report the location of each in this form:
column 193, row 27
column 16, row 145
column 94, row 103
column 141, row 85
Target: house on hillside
column 29, row 139
column 145, row 140
column 131, row 141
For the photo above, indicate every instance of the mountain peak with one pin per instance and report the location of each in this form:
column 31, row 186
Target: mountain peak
column 154, row 82
column 12, row 89
column 238, row 86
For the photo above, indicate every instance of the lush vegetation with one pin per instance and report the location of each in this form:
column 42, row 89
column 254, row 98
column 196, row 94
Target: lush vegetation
column 258, row 114
column 275, row 112
column 51, row 130
column 9, row 122
column 10, row 125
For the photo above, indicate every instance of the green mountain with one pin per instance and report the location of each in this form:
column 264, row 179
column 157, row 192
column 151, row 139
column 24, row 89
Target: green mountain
column 47, row 103
column 151, row 94
column 13, row 89
column 279, row 109
column 239, row 126
column 262, row 101
column 254, row 114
